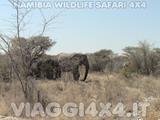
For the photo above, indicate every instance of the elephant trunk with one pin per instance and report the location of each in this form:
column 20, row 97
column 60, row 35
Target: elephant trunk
column 86, row 64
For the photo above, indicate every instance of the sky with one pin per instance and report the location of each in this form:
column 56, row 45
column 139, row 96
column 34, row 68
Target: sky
column 89, row 30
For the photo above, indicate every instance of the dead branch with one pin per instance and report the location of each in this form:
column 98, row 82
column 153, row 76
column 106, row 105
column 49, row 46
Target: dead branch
column 46, row 21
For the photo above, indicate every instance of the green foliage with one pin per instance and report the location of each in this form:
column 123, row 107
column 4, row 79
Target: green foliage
column 126, row 72
column 33, row 46
column 27, row 50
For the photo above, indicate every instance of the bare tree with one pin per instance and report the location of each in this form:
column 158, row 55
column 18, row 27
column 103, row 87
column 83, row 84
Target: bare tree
column 22, row 52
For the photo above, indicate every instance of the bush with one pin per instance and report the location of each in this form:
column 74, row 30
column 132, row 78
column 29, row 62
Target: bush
column 100, row 60
column 142, row 59
column 5, row 69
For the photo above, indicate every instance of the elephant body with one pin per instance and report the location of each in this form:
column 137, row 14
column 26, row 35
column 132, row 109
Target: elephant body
column 52, row 69
column 72, row 64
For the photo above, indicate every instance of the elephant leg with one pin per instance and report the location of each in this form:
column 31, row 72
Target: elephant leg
column 54, row 74
column 76, row 73
column 50, row 75
column 58, row 73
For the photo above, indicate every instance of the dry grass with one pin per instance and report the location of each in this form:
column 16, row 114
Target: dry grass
column 100, row 87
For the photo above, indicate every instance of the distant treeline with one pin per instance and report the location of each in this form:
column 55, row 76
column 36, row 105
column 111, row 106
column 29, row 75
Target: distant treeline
column 141, row 59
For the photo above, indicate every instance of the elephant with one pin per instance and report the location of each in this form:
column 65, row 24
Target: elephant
column 52, row 69
column 72, row 64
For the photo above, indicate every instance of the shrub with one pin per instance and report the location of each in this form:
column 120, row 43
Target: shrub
column 100, row 60
column 142, row 59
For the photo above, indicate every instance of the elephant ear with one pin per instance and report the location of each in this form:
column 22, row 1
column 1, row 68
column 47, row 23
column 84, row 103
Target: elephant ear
column 81, row 59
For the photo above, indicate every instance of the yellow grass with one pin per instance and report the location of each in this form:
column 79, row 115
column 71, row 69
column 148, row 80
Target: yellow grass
column 100, row 87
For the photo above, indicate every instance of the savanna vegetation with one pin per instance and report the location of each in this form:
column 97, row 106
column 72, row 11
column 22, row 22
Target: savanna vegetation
column 109, row 77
